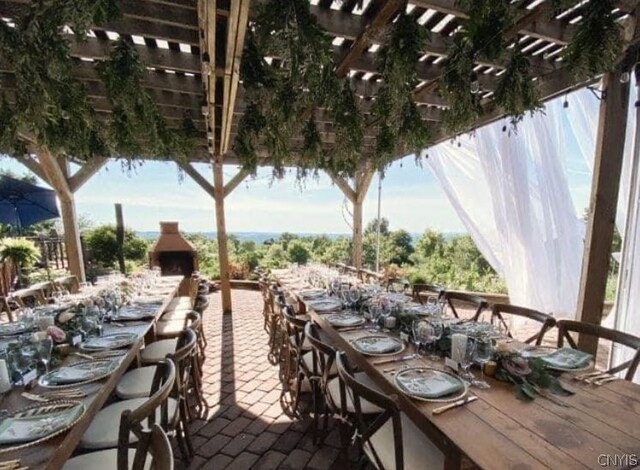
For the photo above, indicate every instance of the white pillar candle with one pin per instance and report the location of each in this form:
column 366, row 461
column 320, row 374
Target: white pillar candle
column 5, row 381
column 458, row 346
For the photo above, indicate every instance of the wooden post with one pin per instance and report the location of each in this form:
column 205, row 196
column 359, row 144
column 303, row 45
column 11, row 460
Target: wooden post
column 72, row 238
column 356, row 197
column 120, row 237
column 221, row 231
column 605, row 186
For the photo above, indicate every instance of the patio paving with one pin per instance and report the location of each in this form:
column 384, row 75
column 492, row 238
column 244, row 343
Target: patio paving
column 245, row 426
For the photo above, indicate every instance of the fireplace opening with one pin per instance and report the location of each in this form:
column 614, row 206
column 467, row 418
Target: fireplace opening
column 173, row 263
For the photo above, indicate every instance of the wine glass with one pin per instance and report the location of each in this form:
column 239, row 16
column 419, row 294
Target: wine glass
column 43, row 353
column 418, row 329
column 484, row 353
column 467, row 360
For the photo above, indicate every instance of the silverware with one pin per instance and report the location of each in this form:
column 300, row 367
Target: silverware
column 605, row 380
column 395, row 359
column 455, row 404
column 587, row 375
column 351, row 328
column 10, row 465
column 597, row 377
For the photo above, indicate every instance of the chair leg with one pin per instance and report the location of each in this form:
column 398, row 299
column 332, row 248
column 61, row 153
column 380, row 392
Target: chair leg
column 185, row 428
column 315, row 393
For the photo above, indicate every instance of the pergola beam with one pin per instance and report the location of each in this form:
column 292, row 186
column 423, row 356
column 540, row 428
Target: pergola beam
column 85, row 172
column 234, row 182
column 197, row 177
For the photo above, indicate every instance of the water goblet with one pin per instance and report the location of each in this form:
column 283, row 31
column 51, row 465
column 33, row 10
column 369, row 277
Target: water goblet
column 483, row 354
column 43, row 353
column 467, row 361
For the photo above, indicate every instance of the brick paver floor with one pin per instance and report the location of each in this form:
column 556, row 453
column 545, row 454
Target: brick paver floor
column 245, row 426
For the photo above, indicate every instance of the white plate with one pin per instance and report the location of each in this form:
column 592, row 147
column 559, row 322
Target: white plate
column 79, row 373
column 325, row 305
column 342, row 320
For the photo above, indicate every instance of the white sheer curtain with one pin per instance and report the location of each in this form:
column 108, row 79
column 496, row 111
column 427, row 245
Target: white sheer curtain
column 511, row 194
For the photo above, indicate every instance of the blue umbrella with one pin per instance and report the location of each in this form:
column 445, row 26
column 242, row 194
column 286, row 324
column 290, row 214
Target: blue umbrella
column 23, row 204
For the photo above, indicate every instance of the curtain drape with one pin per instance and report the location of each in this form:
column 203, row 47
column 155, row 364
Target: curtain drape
column 510, row 191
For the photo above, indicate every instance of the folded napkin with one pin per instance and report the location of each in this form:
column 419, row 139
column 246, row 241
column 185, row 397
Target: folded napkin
column 568, row 358
column 425, row 383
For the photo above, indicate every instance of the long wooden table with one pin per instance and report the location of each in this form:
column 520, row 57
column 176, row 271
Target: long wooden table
column 498, row 431
column 53, row 453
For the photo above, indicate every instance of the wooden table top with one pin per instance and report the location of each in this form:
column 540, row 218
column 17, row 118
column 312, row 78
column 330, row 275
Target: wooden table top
column 53, row 453
column 498, row 431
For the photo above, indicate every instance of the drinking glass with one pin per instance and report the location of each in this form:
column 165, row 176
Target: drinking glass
column 484, row 353
column 43, row 353
column 467, row 360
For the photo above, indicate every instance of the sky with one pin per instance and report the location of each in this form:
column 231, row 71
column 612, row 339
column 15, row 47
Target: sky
column 411, row 199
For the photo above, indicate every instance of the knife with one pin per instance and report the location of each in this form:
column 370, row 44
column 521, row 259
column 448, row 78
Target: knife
column 396, row 359
column 587, row 375
column 455, row 404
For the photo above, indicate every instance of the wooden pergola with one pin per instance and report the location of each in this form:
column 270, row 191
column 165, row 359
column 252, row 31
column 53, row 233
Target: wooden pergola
column 192, row 50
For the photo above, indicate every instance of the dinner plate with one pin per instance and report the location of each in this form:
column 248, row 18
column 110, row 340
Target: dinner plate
column 113, row 341
column 433, row 385
column 78, row 373
column 133, row 313
column 14, row 328
column 344, row 319
column 328, row 305
column 378, row 345
column 555, row 360
column 38, row 423
column 311, row 294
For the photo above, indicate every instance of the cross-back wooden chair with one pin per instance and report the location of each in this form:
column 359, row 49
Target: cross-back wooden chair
column 160, row 449
column 417, row 289
column 499, row 311
column 267, row 303
column 128, row 453
column 389, row 439
column 295, row 370
column 451, row 298
column 565, row 327
column 6, row 307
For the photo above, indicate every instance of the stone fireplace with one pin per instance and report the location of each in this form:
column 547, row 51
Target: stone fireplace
column 172, row 252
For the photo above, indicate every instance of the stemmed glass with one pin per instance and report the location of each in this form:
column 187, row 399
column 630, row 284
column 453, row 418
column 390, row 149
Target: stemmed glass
column 426, row 335
column 483, row 354
column 467, row 360
column 43, row 353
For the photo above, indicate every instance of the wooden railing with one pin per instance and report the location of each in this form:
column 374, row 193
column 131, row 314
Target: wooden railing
column 52, row 251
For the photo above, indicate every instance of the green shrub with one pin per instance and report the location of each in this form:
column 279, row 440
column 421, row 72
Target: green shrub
column 298, row 252
column 102, row 246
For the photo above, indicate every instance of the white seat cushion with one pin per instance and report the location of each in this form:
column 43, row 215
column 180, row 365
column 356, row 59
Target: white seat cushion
column 103, row 431
column 179, row 303
column 156, row 352
column 307, row 358
column 333, row 388
column 136, row 383
column 306, row 346
column 418, row 450
column 175, row 315
column 102, row 459
column 170, row 328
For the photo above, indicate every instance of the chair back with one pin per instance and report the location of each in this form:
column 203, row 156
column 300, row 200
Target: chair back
column 131, row 421
column 499, row 311
column 294, row 325
column 451, row 298
column 183, row 359
column 618, row 337
column 160, row 449
column 324, row 355
column 417, row 289
column 366, row 428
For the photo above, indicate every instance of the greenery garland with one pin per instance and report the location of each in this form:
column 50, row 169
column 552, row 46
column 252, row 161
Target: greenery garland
column 401, row 126
column 299, row 80
column 597, row 43
column 52, row 106
column 516, row 93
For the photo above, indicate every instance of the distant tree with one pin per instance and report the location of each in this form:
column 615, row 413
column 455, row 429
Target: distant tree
column 372, row 227
column 339, row 251
column 429, row 244
column 275, row 258
column 401, row 247
column 102, row 245
column 298, row 252
column 285, row 238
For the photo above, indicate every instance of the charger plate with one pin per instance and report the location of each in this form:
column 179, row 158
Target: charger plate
column 30, row 424
column 367, row 345
column 79, row 373
column 410, row 381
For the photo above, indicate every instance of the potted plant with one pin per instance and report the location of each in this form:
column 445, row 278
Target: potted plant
column 21, row 253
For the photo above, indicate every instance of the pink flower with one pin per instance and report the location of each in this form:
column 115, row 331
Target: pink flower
column 57, row 334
